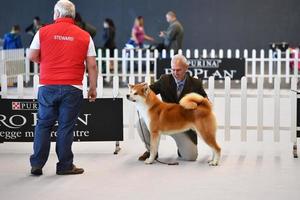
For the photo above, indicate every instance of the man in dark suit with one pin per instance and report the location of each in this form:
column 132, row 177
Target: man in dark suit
column 172, row 87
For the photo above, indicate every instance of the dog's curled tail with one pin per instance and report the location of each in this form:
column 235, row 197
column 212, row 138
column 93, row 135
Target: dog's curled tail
column 193, row 100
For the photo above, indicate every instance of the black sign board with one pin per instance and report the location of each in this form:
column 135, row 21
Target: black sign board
column 101, row 120
column 205, row 67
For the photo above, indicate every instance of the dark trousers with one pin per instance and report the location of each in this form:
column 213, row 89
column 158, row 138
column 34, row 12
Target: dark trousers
column 60, row 103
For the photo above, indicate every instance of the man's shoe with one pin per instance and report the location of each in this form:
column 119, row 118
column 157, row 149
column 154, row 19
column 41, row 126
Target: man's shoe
column 72, row 171
column 36, row 171
column 145, row 156
column 179, row 155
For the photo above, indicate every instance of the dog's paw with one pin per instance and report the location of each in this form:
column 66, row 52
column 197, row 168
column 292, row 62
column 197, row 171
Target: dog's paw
column 213, row 163
column 148, row 161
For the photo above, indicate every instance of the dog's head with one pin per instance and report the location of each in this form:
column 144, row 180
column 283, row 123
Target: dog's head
column 138, row 92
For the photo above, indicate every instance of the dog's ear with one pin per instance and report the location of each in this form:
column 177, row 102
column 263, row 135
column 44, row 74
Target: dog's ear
column 144, row 84
column 130, row 86
column 146, row 88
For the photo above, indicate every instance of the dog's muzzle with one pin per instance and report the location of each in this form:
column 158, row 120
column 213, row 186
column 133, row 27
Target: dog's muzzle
column 130, row 99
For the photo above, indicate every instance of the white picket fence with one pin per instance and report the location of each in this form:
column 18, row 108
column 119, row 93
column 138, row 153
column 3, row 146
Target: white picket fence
column 264, row 65
column 12, row 63
column 228, row 94
column 143, row 63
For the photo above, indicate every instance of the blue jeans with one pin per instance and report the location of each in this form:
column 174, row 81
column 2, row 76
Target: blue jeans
column 60, row 103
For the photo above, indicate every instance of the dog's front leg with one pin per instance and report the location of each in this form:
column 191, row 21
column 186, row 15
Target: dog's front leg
column 155, row 137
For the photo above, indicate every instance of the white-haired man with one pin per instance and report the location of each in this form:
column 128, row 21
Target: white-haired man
column 61, row 48
column 172, row 87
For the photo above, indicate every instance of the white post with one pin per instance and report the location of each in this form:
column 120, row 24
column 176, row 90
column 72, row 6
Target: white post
column 107, row 67
column 139, row 65
column 164, row 53
column 116, row 68
column 36, row 82
column 237, row 53
column 211, row 89
column 115, row 86
column 27, row 67
column 262, row 62
column 99, row 61
column 156, row 53
column 212, row 53
column 36, row 68
column 100, row 87
column 246, row 62
column 148, row 64
column 131, row 62
column 253, row 65
column 229, row 53
column 172, row 53
column 180, row 51
column 131, row 79
column 270, row 66
column 227, row 108
column 124, row 65
column 156, row 56
column 244, row 109
column 196, row 53
column 188, row 53
column 3, row 86
column 20, row 87
column 148, row 79
column 131, row 114
column 296, row 62
column 204, row 53
column 278, row 63
column 260, row 113
column 277, row 109
column 293, row 96
column 221, row 53
column 287, row 66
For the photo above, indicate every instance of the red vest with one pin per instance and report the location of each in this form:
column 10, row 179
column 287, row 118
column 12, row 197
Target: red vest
column 63, row 50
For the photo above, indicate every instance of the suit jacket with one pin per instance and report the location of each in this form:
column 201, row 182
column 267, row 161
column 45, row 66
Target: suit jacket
column 167, row 88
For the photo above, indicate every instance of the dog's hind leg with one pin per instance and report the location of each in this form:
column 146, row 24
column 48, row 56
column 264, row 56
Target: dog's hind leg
column 208, row 135
column 154, row 142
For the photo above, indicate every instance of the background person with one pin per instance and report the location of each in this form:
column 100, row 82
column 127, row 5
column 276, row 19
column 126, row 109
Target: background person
column 12, row 40
column 138, row 34
column 61, row 49
column 85, row 26
column 33, row 28
column 108, row 37
column 173, row 36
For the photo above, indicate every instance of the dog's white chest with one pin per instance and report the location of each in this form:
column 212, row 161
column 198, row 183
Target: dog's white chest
column 143, row 112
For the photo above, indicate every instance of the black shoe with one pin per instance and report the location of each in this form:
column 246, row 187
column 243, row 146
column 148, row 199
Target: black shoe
column 72, row 171
column 179, row 155
column 145, row 156
column 36, row 171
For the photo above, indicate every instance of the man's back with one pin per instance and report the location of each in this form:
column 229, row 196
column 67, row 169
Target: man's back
column 64, row 49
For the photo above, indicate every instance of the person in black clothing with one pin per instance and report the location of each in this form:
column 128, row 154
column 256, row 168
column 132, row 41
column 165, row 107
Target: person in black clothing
column 85, row 26
column 108, row 36
column 34, row 27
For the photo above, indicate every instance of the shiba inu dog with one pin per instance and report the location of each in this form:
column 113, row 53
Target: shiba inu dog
column 193, row 112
